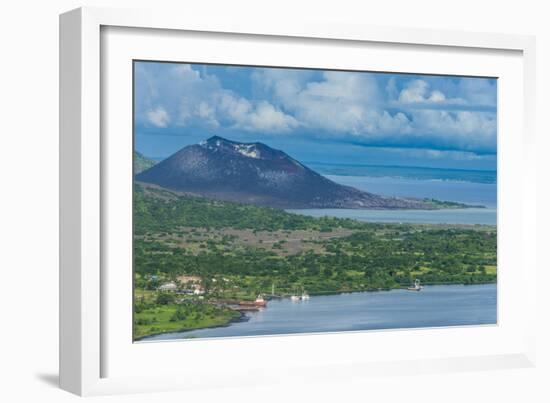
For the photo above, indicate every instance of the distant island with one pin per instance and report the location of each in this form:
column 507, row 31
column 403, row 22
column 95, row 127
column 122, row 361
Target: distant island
column 254, row 173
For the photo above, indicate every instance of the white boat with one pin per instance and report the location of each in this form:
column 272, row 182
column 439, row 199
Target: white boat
column 416, row 286
column 260, row 301
column 305, row 296
column 294, row 298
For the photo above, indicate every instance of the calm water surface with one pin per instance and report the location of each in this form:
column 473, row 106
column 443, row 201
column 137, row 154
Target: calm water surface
column 449, row 190
column 486, row 216
column 445, row 305
column 473, row 193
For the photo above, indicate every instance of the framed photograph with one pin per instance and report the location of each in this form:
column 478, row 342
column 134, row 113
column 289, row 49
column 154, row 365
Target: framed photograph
column 242, row 202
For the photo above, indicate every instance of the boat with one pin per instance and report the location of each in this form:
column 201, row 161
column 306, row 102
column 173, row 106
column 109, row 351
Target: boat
column 305, row 296
column 294, row 298
column 416, row 286
column 259, row 302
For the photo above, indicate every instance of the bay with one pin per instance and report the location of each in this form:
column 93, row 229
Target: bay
column 434, row 306
column 473, row 193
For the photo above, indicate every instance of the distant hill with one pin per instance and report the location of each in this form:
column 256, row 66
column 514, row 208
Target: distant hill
column 255, row 173
column 141, row 162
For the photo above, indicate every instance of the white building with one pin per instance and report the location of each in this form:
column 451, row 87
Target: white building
column 168, row 287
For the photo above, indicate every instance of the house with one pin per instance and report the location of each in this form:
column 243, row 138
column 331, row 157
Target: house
column 171, row 286
column 189, row 279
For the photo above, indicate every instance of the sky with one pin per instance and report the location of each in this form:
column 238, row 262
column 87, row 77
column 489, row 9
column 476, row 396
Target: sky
column 328, row 116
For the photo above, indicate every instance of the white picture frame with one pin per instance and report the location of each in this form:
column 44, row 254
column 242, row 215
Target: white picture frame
column 87, row 343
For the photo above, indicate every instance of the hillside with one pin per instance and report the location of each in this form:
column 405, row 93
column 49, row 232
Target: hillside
column 141, row 162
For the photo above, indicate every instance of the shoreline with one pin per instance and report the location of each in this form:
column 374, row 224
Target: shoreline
column 400, row 287
column 413, row 217
column 243, row 317
column 238, row 319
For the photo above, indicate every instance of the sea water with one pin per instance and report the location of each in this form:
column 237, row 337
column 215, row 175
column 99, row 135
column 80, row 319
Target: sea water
column 434, row 306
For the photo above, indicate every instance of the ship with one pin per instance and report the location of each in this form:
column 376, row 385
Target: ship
column 295, row 297
column 259, row 302
column 416, row 286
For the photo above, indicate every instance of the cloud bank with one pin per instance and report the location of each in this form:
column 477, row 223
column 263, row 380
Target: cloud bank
column 370, row 109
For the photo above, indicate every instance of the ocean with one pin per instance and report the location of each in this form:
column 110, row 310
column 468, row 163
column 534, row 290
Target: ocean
column 420, row 173
column 477, row 188
column 438, row 305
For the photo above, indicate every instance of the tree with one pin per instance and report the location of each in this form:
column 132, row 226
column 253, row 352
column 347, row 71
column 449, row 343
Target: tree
column 165, row 298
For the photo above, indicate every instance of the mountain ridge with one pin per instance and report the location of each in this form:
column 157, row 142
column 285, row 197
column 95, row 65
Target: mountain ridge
column 255, row 173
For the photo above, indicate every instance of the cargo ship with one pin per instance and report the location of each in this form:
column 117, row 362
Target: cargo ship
column 258, row 302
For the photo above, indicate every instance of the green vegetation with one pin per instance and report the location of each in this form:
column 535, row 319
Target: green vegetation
column 151, row 318
column 160, row 210
column 239, row 251
column 141, row 162
column 450, row 204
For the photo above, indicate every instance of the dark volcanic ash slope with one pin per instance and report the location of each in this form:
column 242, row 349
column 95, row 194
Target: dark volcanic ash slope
column 257, row 174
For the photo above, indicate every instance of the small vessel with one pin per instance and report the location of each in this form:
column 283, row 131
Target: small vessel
column 294, row 298
column 416, row 286
column 259, row 302
column 305, row 296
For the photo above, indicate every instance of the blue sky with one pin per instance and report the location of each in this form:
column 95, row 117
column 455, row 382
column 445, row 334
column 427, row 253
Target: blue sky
column 319, row 115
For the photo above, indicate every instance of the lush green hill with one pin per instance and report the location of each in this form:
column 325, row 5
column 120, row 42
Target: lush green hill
column 157, row 209
column 141, row 162
column 176, row 234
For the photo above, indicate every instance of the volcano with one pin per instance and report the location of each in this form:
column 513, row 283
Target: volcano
column 255, row 173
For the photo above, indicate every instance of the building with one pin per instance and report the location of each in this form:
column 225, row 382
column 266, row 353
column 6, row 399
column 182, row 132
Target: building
column 189, row 279
column 168, row 287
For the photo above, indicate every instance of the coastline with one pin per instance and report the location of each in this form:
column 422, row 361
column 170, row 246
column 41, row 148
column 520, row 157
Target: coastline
column 237, row 319
column 399, row 287
column 243, row 317
column 402, row 301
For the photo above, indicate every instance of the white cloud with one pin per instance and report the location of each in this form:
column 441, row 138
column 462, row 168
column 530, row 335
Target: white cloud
column 258, row 116
column 158, row 117
column 339, row 103
column 363, row 106
column 197, row 98
column 186, row 73
column 419, row 91
column 478, row 91
column 437, row 96
column 206, row 112
column 266, row 117
column 352, row 105
column 415, row 91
